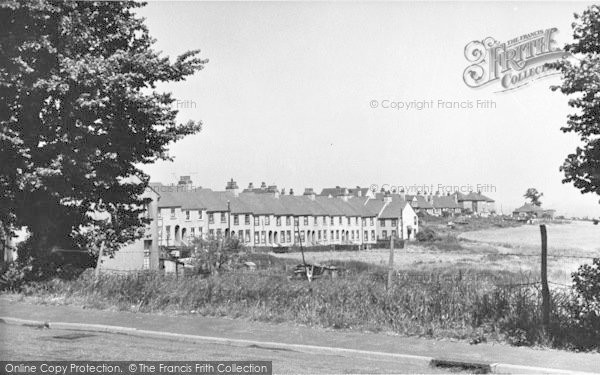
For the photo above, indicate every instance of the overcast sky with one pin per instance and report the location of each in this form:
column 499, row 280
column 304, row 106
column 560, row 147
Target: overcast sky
column 286, row 98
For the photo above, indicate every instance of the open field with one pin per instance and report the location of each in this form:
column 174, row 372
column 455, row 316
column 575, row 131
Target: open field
column 513, row 249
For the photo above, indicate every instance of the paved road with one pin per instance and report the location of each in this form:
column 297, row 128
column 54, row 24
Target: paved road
column 14, row 306
column 20, row 343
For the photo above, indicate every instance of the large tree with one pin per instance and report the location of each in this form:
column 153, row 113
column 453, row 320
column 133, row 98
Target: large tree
column 534, row 196
column 581, row 79
column 79, row 115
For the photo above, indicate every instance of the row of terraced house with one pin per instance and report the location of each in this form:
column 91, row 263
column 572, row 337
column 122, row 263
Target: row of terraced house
column 268, row 217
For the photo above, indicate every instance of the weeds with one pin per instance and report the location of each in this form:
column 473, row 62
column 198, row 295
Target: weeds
column 463, row 304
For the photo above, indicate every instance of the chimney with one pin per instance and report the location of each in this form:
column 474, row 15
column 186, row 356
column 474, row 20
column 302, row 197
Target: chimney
column 310, row 193
column 387, row 198
column 232, row 187
column 263, row 186
column 291, row 191
column 251, row 186
column 358, row 191
column 185, row 183
column 282, row 191
column 402, row 194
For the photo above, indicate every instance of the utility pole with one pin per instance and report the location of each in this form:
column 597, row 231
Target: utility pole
column 545, row 289
column 391, row 265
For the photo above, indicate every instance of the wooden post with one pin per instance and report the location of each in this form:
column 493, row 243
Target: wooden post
column 98, row 264
column 391, row 265
column 545, row 290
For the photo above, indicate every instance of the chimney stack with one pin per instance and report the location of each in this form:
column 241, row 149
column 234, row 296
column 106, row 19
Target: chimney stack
column 291, row 191
column 185, row 183
column 251, row 186
column 310, row 193
column 263, row 186
column 232, row 187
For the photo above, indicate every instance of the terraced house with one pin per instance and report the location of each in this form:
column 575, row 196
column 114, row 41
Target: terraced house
column 267, row 217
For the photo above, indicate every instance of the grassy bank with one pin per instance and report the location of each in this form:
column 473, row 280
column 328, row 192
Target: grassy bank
column 464, row 305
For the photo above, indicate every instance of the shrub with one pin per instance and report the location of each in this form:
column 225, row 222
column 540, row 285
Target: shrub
column 426, row 235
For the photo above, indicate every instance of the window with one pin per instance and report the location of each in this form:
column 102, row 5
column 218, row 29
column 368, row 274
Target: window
column 337, row 234
column 356, row 220
column 348, row 221
column 384, row 233
column 187, row 214
column 278, row 221
column 289, row 236
column 319, row 235
column 247, row 235
column 199, row 214
column 160, row 214
column 211, row 233
column 302, row 236
column 263, row 237
column 223, row 218
column 352, row 235
column 219, row 233
column 200, row 231
column 172, row 213
column 305, row 220
column 257, row 220
column 364, row 222
column 366, row 236
column 256, row 238
column 394, row 233
column 193, row 232
column 315, row 221
column 372, row 221
column 247, row 220
column 236, row 219
column 325, row 235
column 211, row 218
column 332, row 235
column 324, row 221
column 395, row 222
column 415, row 221
column 296, row 221
column 332, row 223
column 288, row 220
column 340, row 220
column 282, row 236
column 168, row 231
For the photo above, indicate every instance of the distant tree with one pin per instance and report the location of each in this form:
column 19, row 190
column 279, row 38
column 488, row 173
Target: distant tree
column 534, row 196
column 79, row 115
column 582, row 80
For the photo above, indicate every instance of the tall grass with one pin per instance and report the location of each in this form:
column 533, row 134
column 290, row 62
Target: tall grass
column 465, row 306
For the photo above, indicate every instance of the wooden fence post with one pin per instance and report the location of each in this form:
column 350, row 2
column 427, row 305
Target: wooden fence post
column 391, row 265
column 545, row 289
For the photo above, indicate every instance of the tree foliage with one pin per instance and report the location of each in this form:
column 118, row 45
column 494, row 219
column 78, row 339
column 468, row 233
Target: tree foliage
column 581, row 80
column 534, row 196
column 80, row 114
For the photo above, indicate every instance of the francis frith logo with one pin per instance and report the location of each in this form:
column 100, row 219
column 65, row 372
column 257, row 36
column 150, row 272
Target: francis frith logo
column 514, row 63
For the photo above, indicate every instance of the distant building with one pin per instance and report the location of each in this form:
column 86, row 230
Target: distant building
column 476, row 203
column 532, row 211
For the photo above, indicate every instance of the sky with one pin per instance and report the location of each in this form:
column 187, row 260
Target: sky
column 288, row 98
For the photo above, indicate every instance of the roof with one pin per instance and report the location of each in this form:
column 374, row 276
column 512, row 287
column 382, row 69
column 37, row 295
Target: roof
column 472, row 196
column 529, row 208
column 393, row 210
column 341, row 191
column 444, row 201
column 418, row 201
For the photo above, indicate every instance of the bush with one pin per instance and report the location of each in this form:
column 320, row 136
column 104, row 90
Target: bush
column 585, row 307
column 426, row 235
